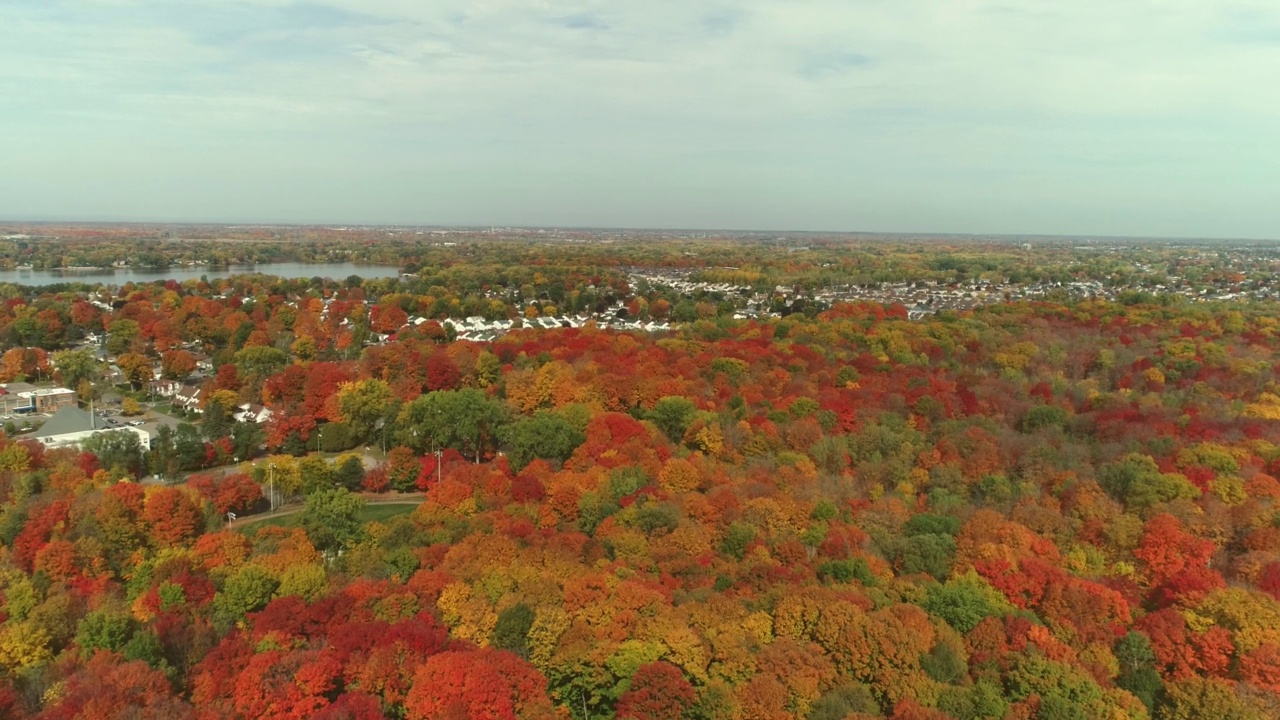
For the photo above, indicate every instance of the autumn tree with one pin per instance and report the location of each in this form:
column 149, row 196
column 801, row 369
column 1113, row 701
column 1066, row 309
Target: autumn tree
column 76, row 366
column 480, row 684
column 172, row 517
column 136, row 368
column 657, row 691
column 177, row 365
column 362, row 404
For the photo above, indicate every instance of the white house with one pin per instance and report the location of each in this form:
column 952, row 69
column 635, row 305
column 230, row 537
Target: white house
column 188, row 398
column 165, row 388
column 250, row 412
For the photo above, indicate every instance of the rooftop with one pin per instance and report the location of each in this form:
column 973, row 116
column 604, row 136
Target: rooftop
column 70, row 419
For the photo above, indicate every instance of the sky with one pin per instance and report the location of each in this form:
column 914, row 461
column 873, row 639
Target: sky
column 1081, row 117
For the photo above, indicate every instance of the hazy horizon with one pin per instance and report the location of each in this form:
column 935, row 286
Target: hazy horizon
column 873, row 234
column 1083, row 119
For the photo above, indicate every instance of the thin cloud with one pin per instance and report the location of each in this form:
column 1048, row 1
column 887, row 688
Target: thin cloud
column 821, row 65
column 582, row 21
column 908, row 115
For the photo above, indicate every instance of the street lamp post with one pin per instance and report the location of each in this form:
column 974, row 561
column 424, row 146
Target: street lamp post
column 271, row 486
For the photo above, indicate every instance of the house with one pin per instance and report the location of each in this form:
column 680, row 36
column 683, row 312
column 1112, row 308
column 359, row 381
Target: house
column 250, row 412
column 71, row 426
column 187, row 398
column 164, row 388
column 113, row 375
column 204, row 363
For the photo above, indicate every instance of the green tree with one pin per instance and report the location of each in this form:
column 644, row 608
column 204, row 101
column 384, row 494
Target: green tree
column 672, row 414
column 964, row 601
column 332, row 519
column 1043, row 416
column 246, row 437
column 75, row 366
column 468, row 421
column 839, row 702
column 163, row 459
column 1066, row 691
column 216, row 421
column 546, row 435
column 1137, row 668
column 1137, row 480
column 249, row 589
column 927, row 553
column 983, row 700
column 737, row 539
column 188, row 447
column 120, row 335
column 511, row 632
column 104, row 629
column 145, row 646
column 349, row 472
column 260, row 361
column 117, row 451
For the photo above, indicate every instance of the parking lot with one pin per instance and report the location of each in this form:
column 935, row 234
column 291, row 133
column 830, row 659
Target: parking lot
column 150, row 420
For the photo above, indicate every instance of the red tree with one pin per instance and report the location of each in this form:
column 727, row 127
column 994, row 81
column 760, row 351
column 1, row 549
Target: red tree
column 476, row 684
column 659, row 691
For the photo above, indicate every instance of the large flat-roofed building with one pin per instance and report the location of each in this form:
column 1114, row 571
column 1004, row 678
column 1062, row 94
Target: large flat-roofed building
column 27, row 398
column 72, row 426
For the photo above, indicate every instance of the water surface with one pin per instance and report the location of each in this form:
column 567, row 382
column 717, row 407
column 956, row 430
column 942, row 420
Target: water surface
column 120, row 276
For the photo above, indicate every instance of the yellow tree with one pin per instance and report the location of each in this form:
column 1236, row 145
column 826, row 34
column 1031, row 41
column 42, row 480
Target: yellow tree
column 361, row 403
column 136, row 368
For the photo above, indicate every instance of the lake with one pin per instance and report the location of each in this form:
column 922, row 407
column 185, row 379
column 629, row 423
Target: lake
column 120, row 276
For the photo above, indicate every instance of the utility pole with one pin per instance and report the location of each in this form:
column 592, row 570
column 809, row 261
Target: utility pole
column 439, row 450
column 271, row 474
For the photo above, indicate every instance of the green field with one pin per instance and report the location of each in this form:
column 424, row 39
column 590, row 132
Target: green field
column 367, row 514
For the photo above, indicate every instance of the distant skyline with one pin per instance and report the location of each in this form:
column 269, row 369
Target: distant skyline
column 1058, row 117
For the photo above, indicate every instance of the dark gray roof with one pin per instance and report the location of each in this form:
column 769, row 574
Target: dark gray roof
column 69, row 419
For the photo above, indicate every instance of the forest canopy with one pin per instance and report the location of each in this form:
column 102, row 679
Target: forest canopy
column 1049, row 507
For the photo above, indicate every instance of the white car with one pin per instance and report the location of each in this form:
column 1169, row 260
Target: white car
column 135, row 423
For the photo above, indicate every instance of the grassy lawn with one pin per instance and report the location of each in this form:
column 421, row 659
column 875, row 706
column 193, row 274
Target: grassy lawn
column 368, row 514
column 384, row 512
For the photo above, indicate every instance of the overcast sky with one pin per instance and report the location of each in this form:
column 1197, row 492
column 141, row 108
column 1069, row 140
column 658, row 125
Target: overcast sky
column 1123, row 117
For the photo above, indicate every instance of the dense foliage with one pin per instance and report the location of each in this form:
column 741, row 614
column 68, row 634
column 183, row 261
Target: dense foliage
column 1032, row 510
